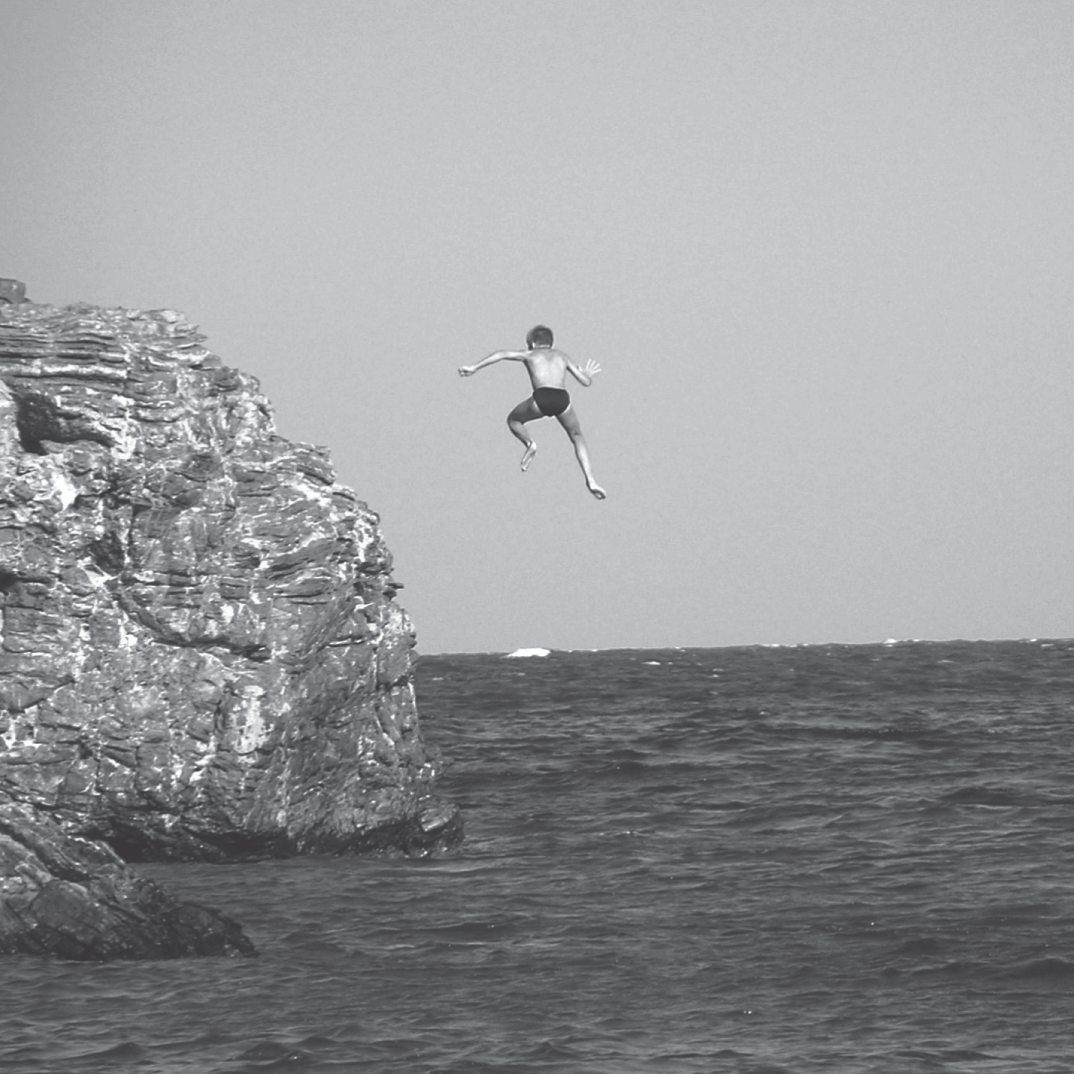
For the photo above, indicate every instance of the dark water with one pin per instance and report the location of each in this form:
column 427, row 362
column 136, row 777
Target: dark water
column 838, row 859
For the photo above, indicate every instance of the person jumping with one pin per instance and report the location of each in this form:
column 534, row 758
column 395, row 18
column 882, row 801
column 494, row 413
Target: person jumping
column 548, row 369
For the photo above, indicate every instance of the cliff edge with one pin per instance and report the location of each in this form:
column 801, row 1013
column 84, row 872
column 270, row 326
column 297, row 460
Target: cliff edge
column 200, row 653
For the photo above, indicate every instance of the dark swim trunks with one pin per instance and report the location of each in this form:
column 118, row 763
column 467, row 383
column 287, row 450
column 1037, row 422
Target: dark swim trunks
column 551, row 401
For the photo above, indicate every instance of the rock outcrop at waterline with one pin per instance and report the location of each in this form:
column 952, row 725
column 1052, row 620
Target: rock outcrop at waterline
column 200, row 654
column 72, row 898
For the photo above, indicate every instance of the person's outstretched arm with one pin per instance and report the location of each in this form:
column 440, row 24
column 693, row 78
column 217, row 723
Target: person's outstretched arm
column 499, row 356
column 584, row 376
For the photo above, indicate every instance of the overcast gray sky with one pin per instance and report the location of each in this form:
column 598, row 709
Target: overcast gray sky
column 824, row 252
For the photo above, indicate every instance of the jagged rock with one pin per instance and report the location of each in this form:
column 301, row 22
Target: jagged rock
column 70, row 898
column 200, row 656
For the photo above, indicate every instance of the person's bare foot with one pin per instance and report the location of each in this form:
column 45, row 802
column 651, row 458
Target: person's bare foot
column 527, row 456
column 596, row 490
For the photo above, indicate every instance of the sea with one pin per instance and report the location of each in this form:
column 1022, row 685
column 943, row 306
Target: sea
column 756, row 860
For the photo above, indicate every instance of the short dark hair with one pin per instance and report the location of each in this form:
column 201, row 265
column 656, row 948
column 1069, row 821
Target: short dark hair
column 540, row 335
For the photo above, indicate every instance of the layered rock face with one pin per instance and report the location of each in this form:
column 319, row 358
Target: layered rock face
column 200, row 654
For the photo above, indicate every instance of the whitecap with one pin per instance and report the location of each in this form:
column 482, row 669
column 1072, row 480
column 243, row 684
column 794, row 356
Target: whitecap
column 528, row 652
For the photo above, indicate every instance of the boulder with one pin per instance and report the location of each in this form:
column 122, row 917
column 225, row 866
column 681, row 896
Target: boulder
column 201, row 657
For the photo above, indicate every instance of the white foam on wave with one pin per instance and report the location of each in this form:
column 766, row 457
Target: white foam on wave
column 528, row 652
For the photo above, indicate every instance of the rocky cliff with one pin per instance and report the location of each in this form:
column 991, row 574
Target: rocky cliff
column 200, row 653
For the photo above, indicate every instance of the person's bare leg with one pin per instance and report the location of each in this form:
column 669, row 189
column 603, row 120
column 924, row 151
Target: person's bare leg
column 516, row 422
column 569, row 420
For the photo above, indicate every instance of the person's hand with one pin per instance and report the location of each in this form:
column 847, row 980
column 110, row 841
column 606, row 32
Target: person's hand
column 466, row 370
column 592, row 368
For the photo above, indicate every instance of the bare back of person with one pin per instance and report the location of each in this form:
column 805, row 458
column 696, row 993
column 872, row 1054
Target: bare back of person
column 547, row 367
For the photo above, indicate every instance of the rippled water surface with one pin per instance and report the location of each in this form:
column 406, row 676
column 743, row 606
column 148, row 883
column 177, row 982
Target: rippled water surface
column 837, row 858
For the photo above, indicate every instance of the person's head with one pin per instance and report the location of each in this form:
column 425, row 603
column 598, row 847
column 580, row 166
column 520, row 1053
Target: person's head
column 539, row 337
